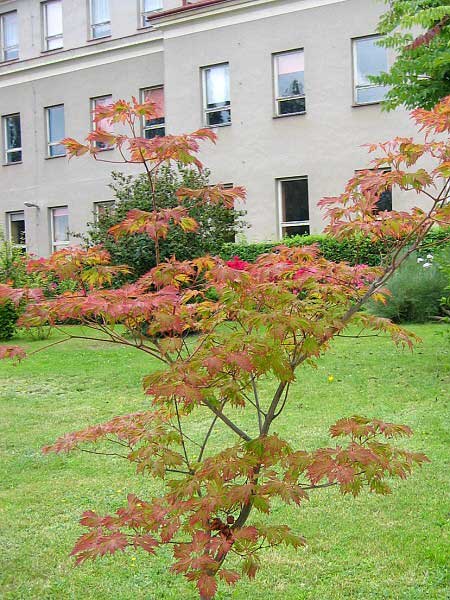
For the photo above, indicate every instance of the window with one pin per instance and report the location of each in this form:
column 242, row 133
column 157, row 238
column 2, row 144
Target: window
column 216, row 95
column 148, row 7
column 385, row 200
column 103, row 208
column 289, row 71
column 53, row 24
column 60, row 227
column 293, row 206
column 99, row 19
column 9, row 36
column 154, row 127
column 104, row 124
column 13, row 139
column 368, row 59
column 55, row 131
column 16, row 228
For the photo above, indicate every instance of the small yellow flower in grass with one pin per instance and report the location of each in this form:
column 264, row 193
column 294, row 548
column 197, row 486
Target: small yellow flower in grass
column 330, row 378
column 119, row 491
column 133, row 558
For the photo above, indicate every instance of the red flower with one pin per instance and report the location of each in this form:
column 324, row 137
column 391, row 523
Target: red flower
column 238, row 264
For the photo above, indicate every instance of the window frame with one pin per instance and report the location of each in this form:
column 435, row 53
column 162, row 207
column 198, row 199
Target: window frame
column 3, row 48
column 356, row 86
column 93, row 25
column 7, row 150
column 278, row 99
column 9, row 228
column 286, row 224
column 108, row 204
column 47, row 123
column 102, row 147
column 45, row 37
column 58, row 245
column 157, row 126
column 143, row 13
column 207, row 111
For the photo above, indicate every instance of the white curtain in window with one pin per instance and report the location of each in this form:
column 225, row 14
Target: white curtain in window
column 151, row 5
column 100, row 11
column 10, row 36
column 218, row 85
column 56, row 123
column 371, row 59
column 54, row 18
column 61, row 224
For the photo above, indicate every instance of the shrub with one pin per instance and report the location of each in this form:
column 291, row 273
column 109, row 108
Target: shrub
column 217, row 224
column 8, row 320
column 416, row 292
column 358, row 250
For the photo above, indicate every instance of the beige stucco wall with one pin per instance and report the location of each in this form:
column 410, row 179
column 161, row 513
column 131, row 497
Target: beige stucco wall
column 256, row 150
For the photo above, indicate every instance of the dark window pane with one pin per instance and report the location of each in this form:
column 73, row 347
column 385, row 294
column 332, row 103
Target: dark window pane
column 295, row 200
column 220, row 117
column 296, row 230
column 150, row 122
column 13, row 133
column 152, row 133
column 13, row 157
column 289, row 107
column 385, row 201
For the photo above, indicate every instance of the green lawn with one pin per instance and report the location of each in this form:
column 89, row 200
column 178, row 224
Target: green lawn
column 370, row 548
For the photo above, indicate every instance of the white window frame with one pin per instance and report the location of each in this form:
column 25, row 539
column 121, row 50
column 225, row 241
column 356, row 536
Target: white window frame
column 46, row 38
column 3, row 48
column 277, row 98
column 108, row 204
column 144, row 13
column 93, row 25
column 286, row 224
column 9, row 220
column 207, row 111
column 92, row 102
column 356, row 86
column 158, row 125
column 7, row 150
column 49, row 143
column 57, row 245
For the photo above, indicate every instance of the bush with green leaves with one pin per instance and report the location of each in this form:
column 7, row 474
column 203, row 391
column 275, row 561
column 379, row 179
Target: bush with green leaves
column 217, row 224
column 415, row 291
column 358, row 250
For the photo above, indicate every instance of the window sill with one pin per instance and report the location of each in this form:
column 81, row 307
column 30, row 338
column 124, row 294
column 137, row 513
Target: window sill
column 218, row 126
column 109, row 149
column 57, row 156
column 296, row 114
column 12, row 164
column 4, row 63
column 103, row 38
column 52, row 50
column 358, row 104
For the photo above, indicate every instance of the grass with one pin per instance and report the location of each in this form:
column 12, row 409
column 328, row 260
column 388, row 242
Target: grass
column 369, row 548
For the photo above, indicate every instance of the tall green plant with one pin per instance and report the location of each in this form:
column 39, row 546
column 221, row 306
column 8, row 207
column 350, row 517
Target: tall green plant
column 420, row 75
column 216, row 223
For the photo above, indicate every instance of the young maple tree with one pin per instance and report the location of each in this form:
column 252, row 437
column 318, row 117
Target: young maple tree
column 219, row 331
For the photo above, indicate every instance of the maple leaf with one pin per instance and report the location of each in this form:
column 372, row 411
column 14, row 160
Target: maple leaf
column 207, row 586
column 230, row 577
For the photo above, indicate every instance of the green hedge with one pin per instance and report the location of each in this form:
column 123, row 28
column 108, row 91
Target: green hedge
column 355, row 251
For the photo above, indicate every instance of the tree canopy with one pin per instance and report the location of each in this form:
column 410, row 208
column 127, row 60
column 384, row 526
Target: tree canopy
column 419, row 32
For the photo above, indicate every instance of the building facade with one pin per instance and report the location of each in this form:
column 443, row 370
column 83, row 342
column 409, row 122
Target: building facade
column 284, row 83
